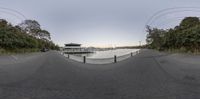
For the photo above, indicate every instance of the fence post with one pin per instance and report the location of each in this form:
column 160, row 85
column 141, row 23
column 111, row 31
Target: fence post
column 115, row 59
column 84, row 59
column 67, row 55
column 131, row 54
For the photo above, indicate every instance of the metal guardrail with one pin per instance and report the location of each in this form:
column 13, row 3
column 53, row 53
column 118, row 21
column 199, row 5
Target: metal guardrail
column 113, row 59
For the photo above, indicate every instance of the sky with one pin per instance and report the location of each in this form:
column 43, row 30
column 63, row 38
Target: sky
column 99, row 23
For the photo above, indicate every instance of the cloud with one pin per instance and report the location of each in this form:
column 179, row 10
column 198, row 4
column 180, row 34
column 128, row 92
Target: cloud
column 90, row 21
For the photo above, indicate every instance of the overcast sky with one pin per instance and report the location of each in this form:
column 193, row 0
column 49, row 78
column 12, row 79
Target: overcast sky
column 97, row 22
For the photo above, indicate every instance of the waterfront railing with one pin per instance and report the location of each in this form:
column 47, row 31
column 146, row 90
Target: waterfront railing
column 113, row 59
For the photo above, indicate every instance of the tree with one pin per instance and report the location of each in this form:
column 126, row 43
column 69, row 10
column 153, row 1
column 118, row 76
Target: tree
column 3, row 23
column 155, row 37
column 189, row 22
column 44, row 35
column 185, row 36
column 31, row 27
column 14, row 38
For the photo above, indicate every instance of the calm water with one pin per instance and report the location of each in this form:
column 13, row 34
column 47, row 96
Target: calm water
column 109, row 53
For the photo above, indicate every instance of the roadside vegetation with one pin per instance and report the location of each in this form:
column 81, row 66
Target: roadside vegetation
column 24, row 37
column 185, row 37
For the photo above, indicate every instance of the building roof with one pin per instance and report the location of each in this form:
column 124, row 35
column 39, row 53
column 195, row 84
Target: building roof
column 72, row 44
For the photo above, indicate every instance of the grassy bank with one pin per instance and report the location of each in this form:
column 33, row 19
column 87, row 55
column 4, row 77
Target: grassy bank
column 182, row 51
column 17, row 51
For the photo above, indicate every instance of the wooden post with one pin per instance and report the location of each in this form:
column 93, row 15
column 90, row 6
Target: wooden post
column 115, row 59
column 67, row 55
column 84, row 59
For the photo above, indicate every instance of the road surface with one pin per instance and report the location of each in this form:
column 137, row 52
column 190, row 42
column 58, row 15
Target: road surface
column 51, row 76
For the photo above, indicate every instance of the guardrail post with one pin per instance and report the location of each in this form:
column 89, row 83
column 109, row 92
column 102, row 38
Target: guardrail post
column 115, row 59
column 84, row 59
column 131, row 54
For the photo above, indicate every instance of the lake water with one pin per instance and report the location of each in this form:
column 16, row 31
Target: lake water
column 110, row 53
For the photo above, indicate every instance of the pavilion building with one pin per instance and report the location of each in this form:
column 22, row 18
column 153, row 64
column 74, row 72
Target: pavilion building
column 73, row 48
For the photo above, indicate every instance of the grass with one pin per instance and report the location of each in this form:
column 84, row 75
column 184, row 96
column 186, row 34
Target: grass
column 17, row 51
column 183, row 51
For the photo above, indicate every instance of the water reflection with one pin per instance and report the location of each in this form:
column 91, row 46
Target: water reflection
column 108, row 53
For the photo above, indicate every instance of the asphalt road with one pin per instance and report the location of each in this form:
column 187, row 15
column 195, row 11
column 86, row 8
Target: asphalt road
column 52, row 76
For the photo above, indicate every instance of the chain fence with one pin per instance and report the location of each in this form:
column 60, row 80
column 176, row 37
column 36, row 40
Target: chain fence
column 113, row 59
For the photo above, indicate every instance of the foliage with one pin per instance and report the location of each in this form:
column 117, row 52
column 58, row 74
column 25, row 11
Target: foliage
column 184, row 37
column 15, row 38
column 33, row 28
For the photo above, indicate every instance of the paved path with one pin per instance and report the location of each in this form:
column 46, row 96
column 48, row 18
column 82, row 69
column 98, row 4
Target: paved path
column 51, row 76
